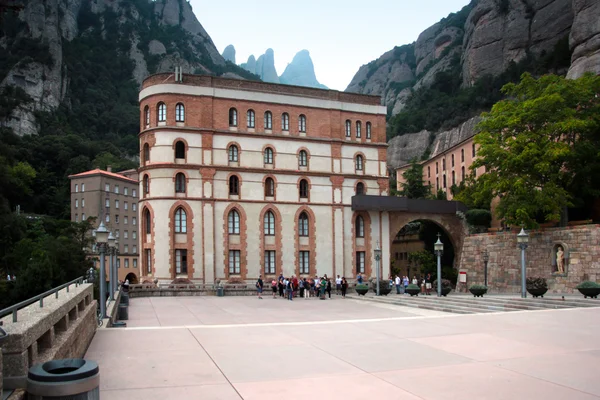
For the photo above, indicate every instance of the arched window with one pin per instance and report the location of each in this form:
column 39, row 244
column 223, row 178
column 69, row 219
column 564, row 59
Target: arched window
column 147, row 115
column 462, row 155
column 453, row 160
column 269, row 187
column 268, row 155
column 180, row 221
column 285, row 122
column 232, row 117
column 359, row 227
column 268, row 120
column 179, row 149
column 179, row 112
column 162, row 112
column 462, row 173
column 302, row 158
column 147, row 221
column 359, row 163
column 348, row 128
column 180, row 183
column 302, row 123
column 360, row 188
column 303, row 189
column 146, row 185
column 234, row 185
column 358, row 129
column 269, row 223
column 250, row 118
column 233, row 222
column 368, row 130
column 146, row 152
column 303, row 224
column 233, row 153
column 453, row 178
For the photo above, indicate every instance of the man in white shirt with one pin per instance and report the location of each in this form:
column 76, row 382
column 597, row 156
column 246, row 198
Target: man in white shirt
column 398, row 283
column 338, row 285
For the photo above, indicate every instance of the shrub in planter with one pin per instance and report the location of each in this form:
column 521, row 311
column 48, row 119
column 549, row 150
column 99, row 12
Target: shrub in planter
column 180, row 283
column 589, row 289
column 413, row 290
column 478, row 290
column 384, row 287
column 361, row 289
column 446, row 286
column 536, row 286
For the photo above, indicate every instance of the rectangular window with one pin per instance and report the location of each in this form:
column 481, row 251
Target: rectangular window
column 107, row 187
column 270, row 262
column 107, row 203
column 125, row 206
column 134, row 234
column 76, row 188
column 126, row 249
column 453, row 160
column 462, row 155
column 134, row 206
column 148, row 261
column 118, row 262
column 360, row 262
column 116, row 219
column 304, row 264
column 181, row 261
column 133, row 220
column 134, row 249
column 443, row 164
column 453, row 178
column 134, row 263
column 437, row 168
column 107, row 218
column 117, row 234
column 82, row 187
column 127, row 263
column 76, row 218
column 125, row 220
column 444, row 180
column 76, row 203
column 116, row 203
column 117, row 189
column 234, row 262
column 429, row 172
column 126, row 234
column 126, row 191
column 474, row 150
column 82, row 203
column 134, row 192
column 83, row 217
column 437, row 183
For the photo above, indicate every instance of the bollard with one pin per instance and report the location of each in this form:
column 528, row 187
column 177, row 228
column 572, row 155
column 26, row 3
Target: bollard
column 123, row 312
column 124, row 298
column 73, row 379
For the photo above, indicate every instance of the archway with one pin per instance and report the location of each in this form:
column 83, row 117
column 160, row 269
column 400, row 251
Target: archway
column 132, row 278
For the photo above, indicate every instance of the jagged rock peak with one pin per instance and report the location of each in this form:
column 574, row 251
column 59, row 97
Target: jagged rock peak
column 301, row 71
column 229, row 53
column 265, row 67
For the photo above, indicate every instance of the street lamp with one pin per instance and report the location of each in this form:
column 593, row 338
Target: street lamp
column 102, row 240
column 438, row 247
column 116, row 267
column 91, row 275
column 111, row 271
column 522, row 240
column 377, row 260
column 486, row 258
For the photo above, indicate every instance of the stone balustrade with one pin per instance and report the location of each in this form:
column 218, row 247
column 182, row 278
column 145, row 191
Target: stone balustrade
column 62, row 328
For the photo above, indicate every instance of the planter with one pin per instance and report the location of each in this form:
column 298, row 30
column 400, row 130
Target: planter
column 383, row 291
column 361, row 289
column 539, row 292
column 478, row 292
column 445, row 291
column 589, row 292
column 412, row 291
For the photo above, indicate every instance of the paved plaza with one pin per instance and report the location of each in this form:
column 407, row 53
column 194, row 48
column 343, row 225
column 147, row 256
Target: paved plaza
column 245, row 348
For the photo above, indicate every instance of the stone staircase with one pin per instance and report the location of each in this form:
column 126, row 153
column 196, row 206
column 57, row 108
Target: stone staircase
column 465, row 304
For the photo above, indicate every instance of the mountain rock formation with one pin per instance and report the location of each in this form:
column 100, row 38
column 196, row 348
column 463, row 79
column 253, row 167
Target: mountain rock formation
column 43, row 46
column 484, row 44
column 264, row 67
column 229, row 53
column 301, row 72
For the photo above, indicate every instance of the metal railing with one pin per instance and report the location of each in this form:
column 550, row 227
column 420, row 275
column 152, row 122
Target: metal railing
column 40, row 297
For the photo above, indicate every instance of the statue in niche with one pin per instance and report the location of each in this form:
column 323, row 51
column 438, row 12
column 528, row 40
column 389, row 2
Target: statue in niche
column 560, row 260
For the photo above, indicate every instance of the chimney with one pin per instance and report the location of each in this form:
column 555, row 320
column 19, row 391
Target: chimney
column 109, row 168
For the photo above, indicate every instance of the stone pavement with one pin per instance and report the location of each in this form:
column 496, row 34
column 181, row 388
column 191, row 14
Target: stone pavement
column 245, row 348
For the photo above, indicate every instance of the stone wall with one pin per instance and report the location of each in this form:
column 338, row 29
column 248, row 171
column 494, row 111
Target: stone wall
column 582, row 258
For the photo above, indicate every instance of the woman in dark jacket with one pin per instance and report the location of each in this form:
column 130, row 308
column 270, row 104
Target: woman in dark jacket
column 328, row 287
column 344, row 287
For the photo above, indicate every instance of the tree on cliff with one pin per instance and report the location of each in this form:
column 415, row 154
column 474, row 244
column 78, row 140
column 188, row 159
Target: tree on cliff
column 541, row 148
column 413, row 186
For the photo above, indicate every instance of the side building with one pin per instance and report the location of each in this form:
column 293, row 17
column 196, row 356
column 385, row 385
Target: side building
column 112, row 198
column 240, row 179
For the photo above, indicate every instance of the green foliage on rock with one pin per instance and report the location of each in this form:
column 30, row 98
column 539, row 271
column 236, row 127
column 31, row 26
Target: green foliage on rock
column 477, row 217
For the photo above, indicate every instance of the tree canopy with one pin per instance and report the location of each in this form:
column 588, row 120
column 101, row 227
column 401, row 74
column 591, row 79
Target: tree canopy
column 414, row 186
column 541, row 148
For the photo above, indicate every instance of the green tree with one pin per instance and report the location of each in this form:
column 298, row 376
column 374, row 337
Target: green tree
column 423, row 260
column 541, row 147
column 413, row 186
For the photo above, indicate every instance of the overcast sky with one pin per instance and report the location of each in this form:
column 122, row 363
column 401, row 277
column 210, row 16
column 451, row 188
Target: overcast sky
column 341, row 35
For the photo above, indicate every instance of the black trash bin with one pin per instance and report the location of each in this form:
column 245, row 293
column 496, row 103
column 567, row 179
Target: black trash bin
column 73, row 379
column 124, row 298
column 123, row 312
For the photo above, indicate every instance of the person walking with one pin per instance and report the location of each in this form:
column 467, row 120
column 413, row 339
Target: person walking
column 289, row 285
column 428, row 284
column 328, row 288
column 344, row 287
column 338, row 285
column 259, row 286
column 405, row 281
column 306, row 289
column 398, row 283
column 317, row 286
column 359, row 279
column 323, row 288
column 281, row 284
column 301, row 287
column 274, row 288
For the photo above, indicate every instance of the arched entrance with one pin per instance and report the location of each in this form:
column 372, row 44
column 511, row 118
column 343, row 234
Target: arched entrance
column 132, row 278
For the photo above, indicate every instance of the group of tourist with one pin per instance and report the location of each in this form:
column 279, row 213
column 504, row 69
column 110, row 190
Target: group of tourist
column 401, row 283
column 303, row 287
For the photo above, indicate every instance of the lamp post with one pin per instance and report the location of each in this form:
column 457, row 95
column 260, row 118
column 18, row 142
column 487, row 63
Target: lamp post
column 101, row 240
column 116, row 269
column 486, row 258
column 522, row 240
column 377, row 261
column 438, row 247
column 111, row 271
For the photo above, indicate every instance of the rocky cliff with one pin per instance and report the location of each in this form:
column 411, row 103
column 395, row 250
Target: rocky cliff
column 229, row 53
column 469, row 55
column 264, row 67
column 301, row 72
column 43, row 45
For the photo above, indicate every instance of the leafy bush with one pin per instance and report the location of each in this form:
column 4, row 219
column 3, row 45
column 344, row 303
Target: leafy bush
column 478, row 287
column 479, row 217
column 413, row 287
column 362, row 286
column 534, row 283
column 588, row 285
column 446, row 284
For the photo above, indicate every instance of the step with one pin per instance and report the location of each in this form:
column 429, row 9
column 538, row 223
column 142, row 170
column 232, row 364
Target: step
column 435, row 306
column 544, row 303
column 475, row 304
column 511, row 303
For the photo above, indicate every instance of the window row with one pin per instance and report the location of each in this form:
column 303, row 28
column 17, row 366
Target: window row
column 117, row 203
column 117, row 219
column 462, row 160
column 77, row 188
column 358, row 129
column 267, row 120
column 126, row 262
column 161, row 113
column 83, row 217
column 117, row 190
column 77, row 203
column 270, row 262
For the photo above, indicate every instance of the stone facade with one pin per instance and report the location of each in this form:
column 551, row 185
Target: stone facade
column 582, row 258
